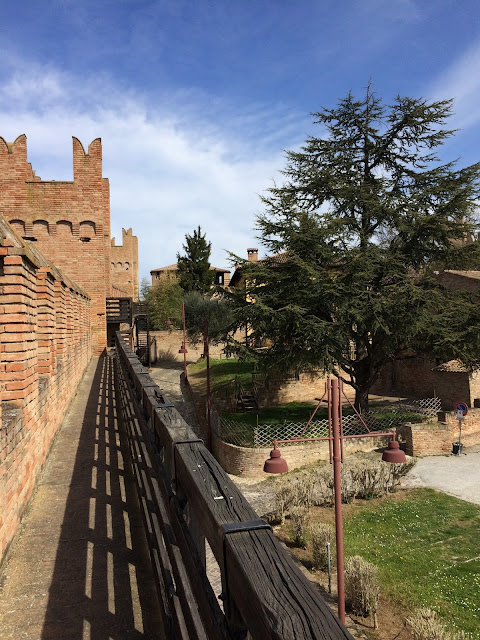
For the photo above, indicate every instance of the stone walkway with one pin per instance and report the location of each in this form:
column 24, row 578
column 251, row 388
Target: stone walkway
column 458, row 476
column 79, row 568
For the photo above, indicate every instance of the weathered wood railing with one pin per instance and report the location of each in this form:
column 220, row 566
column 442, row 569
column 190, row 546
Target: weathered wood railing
column 186, row 498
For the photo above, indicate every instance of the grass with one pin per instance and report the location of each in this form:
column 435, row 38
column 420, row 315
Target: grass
column 290, row 412
column 223, row 371
column 301, row 412
column 426, row 549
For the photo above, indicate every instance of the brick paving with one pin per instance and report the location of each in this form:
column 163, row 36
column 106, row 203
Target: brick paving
column 79, row 568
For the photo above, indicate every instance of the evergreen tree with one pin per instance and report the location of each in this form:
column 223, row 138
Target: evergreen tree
column 164, row 301
column 194, row 267
column 366, row 215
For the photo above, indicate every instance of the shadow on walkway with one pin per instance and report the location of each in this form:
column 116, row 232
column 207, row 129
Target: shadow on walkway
column 101, row 585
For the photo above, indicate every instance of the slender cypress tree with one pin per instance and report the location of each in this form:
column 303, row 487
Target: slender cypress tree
column 194, row 267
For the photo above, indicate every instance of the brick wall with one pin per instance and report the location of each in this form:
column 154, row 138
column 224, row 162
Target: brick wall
column 45, row 345
column 247, row 462
column 461, row 280
column 417, row 377
column 124, row 264
column 68, row 221
column 305, row 388
column 424, row 439
column 435, row 438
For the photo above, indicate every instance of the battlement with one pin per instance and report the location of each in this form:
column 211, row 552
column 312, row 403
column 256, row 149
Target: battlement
column 124, row 264
column 87, row 166
column 68, row 221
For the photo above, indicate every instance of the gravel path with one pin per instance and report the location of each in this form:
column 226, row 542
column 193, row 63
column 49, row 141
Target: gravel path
column 167, row 376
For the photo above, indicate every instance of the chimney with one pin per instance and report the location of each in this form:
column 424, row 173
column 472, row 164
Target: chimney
column 252, row 255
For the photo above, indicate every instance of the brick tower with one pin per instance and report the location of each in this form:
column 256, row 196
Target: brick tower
column 70, row 221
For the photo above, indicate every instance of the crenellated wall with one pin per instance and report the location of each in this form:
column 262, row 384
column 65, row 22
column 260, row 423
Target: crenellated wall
column 68, row 221
column 45, row 345
column 124, row 264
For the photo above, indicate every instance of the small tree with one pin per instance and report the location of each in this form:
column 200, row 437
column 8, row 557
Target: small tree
column 194, row 267
column 145, row 288
column 164, row 301
column 200, row 307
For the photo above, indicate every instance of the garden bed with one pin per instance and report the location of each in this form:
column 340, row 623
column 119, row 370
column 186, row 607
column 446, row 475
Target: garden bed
column 425, row 546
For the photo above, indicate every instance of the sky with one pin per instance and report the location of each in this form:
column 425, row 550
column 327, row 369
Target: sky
column 196, row 100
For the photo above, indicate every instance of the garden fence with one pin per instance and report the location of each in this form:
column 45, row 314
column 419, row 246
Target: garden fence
column 259, row 435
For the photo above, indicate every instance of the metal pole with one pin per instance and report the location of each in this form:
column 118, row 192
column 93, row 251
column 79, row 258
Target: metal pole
column 206, row 348
column 184, row 344
column 337, row 483
column 329, row 563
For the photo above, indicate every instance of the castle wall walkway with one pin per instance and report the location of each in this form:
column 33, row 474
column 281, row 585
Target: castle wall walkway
column 79, row 568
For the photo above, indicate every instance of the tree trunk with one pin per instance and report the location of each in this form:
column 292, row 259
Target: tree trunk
column 361, row 397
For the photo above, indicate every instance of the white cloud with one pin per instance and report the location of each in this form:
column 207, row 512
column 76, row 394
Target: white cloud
column 169, row 169
column 461, row 81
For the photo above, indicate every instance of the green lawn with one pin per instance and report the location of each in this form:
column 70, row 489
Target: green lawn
column 291, row 412
column 223, row 371
column 426, row 548
column 301, row 412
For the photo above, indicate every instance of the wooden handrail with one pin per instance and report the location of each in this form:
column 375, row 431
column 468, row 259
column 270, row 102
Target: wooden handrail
column 264, row 593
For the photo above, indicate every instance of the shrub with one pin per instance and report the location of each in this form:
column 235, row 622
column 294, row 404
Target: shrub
column 299, row 515
column 363, row 479
column 322, row 534
column 292, row 492
column 283, row 497
column 305, row 490
column 425, row 625
column 362, row 587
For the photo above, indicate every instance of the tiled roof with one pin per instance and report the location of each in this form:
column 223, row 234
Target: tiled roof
column 174, row 267
column 475, row 275
column 452, row 365
column 171, row 267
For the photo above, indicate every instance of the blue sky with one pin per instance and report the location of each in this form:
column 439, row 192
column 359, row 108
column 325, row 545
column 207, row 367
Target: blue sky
column 195, row 100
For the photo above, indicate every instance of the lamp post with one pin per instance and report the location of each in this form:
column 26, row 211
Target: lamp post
column 183, row 348
column 206, row 350
column 337, row 485
column 393, row 454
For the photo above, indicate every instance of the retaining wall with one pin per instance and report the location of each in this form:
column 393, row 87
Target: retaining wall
column 435, row 438
column 247, row 462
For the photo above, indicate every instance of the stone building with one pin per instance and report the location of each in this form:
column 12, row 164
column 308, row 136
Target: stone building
column 221, row 276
